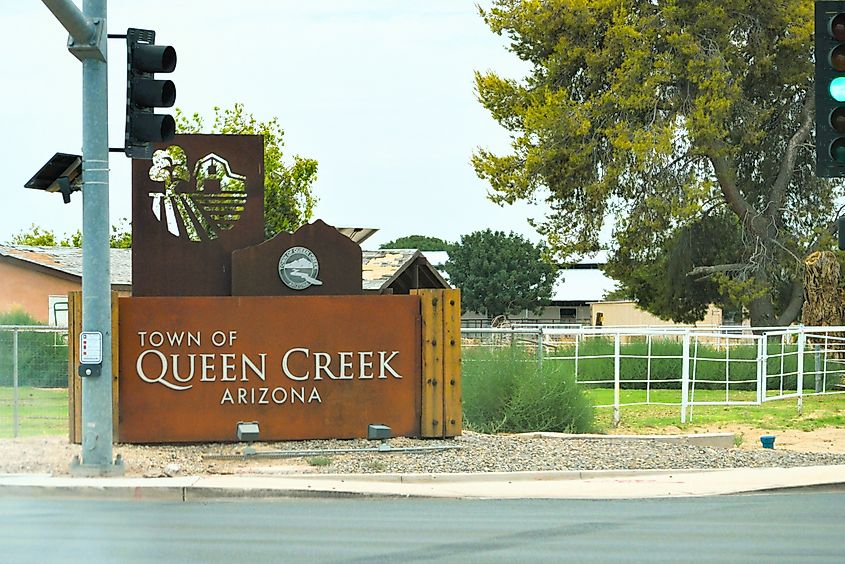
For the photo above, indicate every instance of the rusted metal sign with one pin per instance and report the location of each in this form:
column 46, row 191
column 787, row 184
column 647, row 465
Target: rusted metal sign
column 200, row 198
column 315, row 260
column 307, row 367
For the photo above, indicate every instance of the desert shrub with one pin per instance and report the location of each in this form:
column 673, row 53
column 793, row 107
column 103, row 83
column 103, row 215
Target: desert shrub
column 488, row 381
column 506, row 390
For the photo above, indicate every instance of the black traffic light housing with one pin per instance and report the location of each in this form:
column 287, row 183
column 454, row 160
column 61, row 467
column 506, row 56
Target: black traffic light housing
column 830, row 88
column 144, row 93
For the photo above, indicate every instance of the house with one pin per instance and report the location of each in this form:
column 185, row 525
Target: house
column 576, row 288
column 397, row 271
column 38, row 279
column 579, row 298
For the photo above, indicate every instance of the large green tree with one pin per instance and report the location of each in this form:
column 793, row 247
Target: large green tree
column 288, row 201
column 421, row 242
column 500, row 274
column 686, row 124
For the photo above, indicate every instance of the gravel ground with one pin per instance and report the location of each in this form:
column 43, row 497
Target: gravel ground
column 478, row 453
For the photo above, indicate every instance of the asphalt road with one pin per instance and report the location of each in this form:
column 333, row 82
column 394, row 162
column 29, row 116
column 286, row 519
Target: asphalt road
column 792, row 527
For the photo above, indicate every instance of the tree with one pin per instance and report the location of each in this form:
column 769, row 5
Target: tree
column 500, row 274
column 37, row 237
column 288, row 201
column 121, row 237
column 421, row 242
column 689, row 125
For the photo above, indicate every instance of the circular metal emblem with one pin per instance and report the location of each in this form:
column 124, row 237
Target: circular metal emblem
column 298, row 268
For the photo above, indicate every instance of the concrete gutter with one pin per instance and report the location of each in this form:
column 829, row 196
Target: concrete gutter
column 613, row 484
column 719, row 440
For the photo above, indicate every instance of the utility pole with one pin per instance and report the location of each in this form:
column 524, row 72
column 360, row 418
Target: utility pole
column 87, row 42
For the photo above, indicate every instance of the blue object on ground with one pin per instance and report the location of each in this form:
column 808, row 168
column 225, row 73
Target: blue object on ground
column 768, row 441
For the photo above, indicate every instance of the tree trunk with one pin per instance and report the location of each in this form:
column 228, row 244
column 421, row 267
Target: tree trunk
column 762, row 312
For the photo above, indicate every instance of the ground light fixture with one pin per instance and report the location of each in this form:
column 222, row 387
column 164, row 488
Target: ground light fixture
column 62, row 174
column 379, row 432
column 248, row 432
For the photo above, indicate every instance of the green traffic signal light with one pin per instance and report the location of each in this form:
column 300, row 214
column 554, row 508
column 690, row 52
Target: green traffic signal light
column 837, row 89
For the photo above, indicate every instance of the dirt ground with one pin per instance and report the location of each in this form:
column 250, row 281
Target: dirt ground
column 827, row 439
column 53, row 454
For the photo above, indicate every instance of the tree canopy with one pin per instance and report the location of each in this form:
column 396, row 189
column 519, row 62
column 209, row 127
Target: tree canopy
column 421, row 242
column 688, row 125
column 120, row 238
column 288, row 201
column 500, row 274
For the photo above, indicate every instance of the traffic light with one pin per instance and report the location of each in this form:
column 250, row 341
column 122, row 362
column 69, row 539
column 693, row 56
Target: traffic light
column 830, row 88
column 144, row 93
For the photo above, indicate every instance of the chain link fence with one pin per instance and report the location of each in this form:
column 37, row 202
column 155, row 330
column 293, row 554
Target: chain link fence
column 33, row 380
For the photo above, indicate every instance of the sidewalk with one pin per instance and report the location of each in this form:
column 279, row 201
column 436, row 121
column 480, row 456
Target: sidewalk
column 518, row 485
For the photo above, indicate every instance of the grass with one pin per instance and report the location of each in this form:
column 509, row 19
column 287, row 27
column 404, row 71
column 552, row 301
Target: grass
column 41, row 411
column 319, row 461
column 817, row 412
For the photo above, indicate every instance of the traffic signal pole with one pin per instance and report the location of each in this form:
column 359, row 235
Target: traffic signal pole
column 88, row 43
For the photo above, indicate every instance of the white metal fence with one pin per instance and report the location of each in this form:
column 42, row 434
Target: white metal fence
column 33, row 380
column 685, row 366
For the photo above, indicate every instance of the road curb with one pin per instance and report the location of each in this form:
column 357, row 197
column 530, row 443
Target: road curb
column 718, row 440
column 595, row 484
column 529, row 475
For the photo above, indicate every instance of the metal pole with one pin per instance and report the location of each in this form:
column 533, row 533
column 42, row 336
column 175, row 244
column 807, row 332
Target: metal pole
column 577, row 342
column 87, row 43
column 617, row 351
column 74, row 21
column 799, row 373
column 761, row 369
column 685, row 377
column 15, row 395
column 817, row 355
column 540, row 349
column 97, row 432
column 648, row 372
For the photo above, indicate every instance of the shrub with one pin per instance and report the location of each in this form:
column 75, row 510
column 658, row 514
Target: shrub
column 488, row 381
column 504, row 390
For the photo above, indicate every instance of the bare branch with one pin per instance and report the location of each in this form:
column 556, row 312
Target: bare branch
column 787, row 165
column 706, row 271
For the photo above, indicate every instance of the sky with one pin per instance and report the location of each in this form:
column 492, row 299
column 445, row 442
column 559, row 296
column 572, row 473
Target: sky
column 379, row 92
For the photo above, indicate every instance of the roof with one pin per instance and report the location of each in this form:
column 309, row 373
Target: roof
column 68, row 260
column 596, row 258
column 381, row 269
column 358, row 234
column 582, row 285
